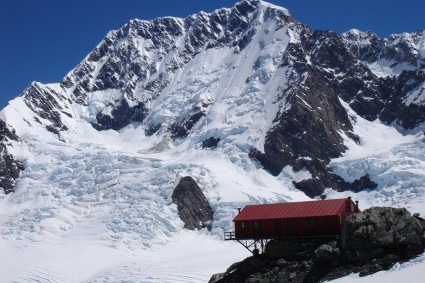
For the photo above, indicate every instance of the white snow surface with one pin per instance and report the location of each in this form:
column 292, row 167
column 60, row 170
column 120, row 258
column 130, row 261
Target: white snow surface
column 386, row 68
column 98, row 207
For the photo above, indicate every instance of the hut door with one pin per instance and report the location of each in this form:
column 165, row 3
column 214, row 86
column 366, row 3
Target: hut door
column 312, row 227
column 327, row 226
column 257, row 229
column 291, row 229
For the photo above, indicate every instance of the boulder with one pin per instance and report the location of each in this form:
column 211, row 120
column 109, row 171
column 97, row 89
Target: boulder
column 192, row 205
column 216, row 277
column 382, row 230
column 293, row 249
column 210, row 142
column 243, row 271
column 328, row 253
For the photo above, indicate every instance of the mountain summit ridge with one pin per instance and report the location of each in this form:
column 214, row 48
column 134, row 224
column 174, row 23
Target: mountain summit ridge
column 250, row 76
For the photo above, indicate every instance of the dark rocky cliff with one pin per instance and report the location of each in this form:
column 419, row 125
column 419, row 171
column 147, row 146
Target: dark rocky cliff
column 9, row 167
column 405, row 85
column 308, row 135
column 193, row 208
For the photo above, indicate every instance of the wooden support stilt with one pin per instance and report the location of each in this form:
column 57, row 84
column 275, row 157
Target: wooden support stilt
column 255, row 246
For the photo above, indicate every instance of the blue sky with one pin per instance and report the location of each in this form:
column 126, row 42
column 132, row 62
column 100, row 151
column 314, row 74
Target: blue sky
column 42, row 40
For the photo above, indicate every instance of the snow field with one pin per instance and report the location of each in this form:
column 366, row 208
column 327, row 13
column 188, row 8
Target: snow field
column 411, row 271
column 187, row 257
column 101, row 204
column 91, row 207
column 395, row 161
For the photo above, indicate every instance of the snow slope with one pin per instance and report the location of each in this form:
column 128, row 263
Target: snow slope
column 98, row 209
column 95, row 206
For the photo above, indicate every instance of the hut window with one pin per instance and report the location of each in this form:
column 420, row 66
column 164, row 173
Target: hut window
column 311, row 222
column 327, row 222
column 291, row 223
column 243, row 224
column 257, row 225
column 276, row 224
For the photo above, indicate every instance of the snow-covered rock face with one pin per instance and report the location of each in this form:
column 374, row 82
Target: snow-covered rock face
column 400, row 60
column 9, row 167
column 251, row 77
column 250, row 103
column 388, row 56
column 182, row 60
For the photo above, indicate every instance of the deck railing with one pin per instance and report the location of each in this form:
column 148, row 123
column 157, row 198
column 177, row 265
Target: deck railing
column 230, row 235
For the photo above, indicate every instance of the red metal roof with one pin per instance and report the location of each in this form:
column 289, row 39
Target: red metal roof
column 292, row 209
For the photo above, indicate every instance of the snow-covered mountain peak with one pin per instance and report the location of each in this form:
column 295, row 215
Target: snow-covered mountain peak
column 248, row 101
column 263, row 5
column 387, row 56
column 134, row 65
column 237, row 75
column 172, row 41
column 361, row 37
